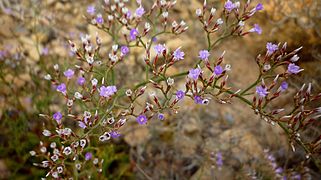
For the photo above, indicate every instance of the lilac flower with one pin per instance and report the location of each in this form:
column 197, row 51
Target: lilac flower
column 140, row 12
column 124, row 50
column 133, row 34
column 88, row 156
column 154, row 39
column 81, row 81
column 57, row 116
column 261, row 91
column 99, row 19
column 194, row 73
column 218, row 70
column 271, row 48
column 284, row 86
column 259, row 7
column 219, row 159
column 45, row 51
column 141, row 119
column 180, row 94
column 256, row 29
column 82, row 125
column 198, row 100
column 279, row 170
column 229, row 6
column 204, row 54
column 114, row 134
column 159, row 49
column 69, row 73
column 61, row 88
column 107, row 91
column 160, row 116
column 91, row 10
column 294, row 69
column 178, row 54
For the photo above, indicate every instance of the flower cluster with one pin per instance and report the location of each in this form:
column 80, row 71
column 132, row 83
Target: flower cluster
column 100, row 106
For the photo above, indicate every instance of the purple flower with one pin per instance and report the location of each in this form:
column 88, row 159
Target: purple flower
column 133, row 34
column 256, row 29
column 160, row 116
column 271, row 48
column 91, row 10
column 229, row 6
column 69, row 73
column 107, row 91
column 261, row 91
column 259, row 7
column 88, row 156
column 61, row 88
column 124, row 50
column 129, row 14
column 180, row 94
column 218, row 70
column 114, row 134
column 178, row 54
column 219, row 159
column 141, row 119
column 57, row 116
column 203, row 54
column 154, row 39
column 45, row 51
column 140, row 12
column 194, row 73
column 82, row 125
column 284, row 86
column 294, row 69
column 81, row 81
column 198, row 100
column 279, row 170
column 159, row 49
column 99, row 19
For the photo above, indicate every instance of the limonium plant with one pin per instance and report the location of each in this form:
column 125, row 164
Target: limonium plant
column 96, row 106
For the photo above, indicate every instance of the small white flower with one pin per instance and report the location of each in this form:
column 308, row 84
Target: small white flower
column 70, row 102
column 198, row 12
column 213, row 10
column 170, row 81
column 129, row 92
column 43, row 149
column 47, row 77
column 95, row 161
column 46, row 132
column 295, row 58
column 83, row 143
column 163, row 2
column 111, row 120
column 124, row 10
column 228, row 67
column 32, row 153
column 53, row 145
column 66, row 131
column 115, row 47
column 147, row 26
column 174, row 24
column 267, row 67
column 60, row 169
column 54, row 174
column 241, row 23
column 110, row 17
column 219, row 21
column 165, row 14
column 56, row 67
column 45, row 164
column 90, row 60
column 56, row 151
column 87, row 114
column 94, row 82
column 78, row 95
column 78, row 166
column 237, row 4
column 67, row 151
column 54, row 157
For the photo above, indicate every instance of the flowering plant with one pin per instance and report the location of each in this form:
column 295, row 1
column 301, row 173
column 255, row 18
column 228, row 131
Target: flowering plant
column 97, row 106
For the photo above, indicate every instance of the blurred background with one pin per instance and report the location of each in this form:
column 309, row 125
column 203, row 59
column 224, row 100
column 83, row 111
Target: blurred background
column 189, row 145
